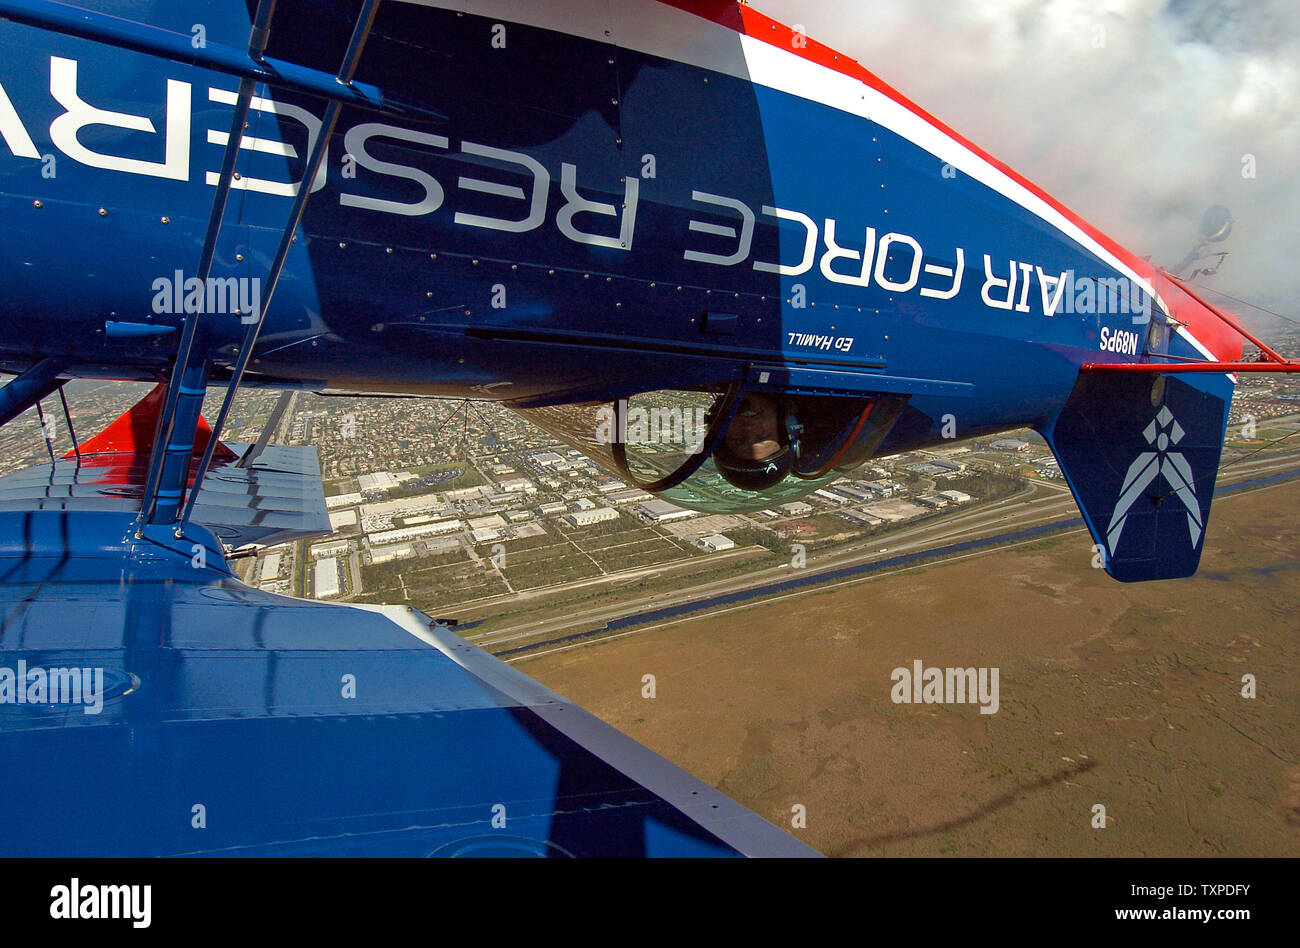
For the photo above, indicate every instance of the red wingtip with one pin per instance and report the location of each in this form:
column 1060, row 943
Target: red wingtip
column 132, row 432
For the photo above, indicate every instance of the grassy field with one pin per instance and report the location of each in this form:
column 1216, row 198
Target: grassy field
column 1123, row 695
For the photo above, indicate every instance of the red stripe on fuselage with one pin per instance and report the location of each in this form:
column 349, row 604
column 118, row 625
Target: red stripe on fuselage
column 1211, row 331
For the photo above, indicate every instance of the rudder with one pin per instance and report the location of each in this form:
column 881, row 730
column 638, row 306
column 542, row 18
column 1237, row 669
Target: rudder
column 1141, row 452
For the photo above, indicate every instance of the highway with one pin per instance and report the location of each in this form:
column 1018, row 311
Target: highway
column 997, row 525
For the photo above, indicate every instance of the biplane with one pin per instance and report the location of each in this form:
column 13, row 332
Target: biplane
column 587, row 212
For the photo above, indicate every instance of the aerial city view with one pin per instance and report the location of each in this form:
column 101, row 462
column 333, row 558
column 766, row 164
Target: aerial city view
column 650, row 429
column 532, row 551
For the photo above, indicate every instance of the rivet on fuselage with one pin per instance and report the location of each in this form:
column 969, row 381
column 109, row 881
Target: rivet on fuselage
column 388, row 250
column 342, row 244
column 37, row 204
column 429, row 294
column 166, row 220
column 239, row 257
column 433, row 256
column 476, row 263
column 103, row 212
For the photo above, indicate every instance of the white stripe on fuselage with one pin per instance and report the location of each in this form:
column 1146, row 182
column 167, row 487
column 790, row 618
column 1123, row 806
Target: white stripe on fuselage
column 658, row 29
column 685, row 37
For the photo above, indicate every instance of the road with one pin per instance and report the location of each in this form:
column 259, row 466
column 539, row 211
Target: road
column 1046, row 503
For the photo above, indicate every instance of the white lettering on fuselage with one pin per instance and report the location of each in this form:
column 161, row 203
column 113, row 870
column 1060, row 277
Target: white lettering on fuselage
column 851, row 256
column 1117, row 340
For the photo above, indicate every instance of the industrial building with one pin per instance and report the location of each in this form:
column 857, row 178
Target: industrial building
column 487, row 529
column 833, row 499
column 660, row 511
column 628, row 496
column 716, row 543
column 585, row 518
column 386, row 554
column 343, row 518
column 270, row 567
column 404, row 534
column 326, row 582
column 331, row 548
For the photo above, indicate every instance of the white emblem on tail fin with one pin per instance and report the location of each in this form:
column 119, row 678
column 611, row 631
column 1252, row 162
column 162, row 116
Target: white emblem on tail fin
column 1163, row 432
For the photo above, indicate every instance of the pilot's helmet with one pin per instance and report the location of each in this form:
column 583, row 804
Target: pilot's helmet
column 758, row 449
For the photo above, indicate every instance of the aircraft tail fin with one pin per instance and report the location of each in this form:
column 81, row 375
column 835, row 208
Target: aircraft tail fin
column 1140, row 452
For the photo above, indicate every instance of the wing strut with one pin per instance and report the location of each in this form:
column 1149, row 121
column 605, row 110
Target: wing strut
column 23, row 391
column 351, row 59
column 169, row 463
column 122, row 33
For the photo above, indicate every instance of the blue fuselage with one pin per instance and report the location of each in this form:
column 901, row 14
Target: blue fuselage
column 590, row 221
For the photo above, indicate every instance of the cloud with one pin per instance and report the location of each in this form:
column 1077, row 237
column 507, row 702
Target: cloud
column 1138, row 114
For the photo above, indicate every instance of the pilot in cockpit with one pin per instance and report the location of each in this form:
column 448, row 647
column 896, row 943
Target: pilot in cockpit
column 755, row 451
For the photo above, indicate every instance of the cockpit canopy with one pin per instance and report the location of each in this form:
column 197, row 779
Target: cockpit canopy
column 732, row 449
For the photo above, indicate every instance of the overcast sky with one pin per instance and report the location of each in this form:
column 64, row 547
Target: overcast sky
column 1137, row 114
